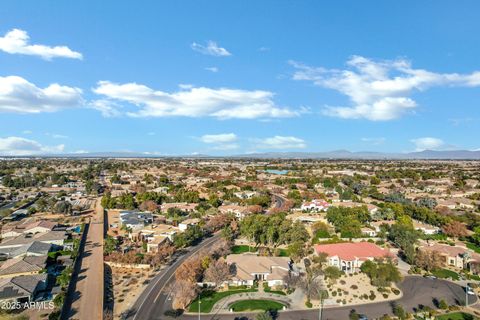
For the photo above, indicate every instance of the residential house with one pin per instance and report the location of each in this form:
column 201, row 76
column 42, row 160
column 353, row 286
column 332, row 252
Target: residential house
column 22, row 288
column 349, row 256
column 250, row 268
column 454, row 256
column 183, row 206
column 425, row 228
column 315, row 205
column 27, row 265
column 135, row 219
column 188, row 223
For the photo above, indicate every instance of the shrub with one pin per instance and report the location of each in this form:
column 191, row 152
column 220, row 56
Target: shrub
column 385, row 296
column 443, row 304
column 395, row 291
column 343, row 282
column 372, row 296
column 354, row 287
column 308, row 304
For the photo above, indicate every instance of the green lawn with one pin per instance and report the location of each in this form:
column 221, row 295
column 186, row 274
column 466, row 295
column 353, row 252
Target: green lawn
column 473, row 246
column 210, row 297
column 455, row 316
column 445, row 274
column 251, row 305
column 242, row 249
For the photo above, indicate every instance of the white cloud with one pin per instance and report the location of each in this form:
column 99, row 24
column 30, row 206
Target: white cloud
column 211, row 49
column 17, row 95
column 220, row 103
column 428, row 143
column 280, row 142
column 56, row 135
column 212, row 69
column 378, row 90
column 222, row 141
column 374, row 141
column 16, row 41
column 17, row 146
column 219, row 138
column 27, row 132
column 107, row 108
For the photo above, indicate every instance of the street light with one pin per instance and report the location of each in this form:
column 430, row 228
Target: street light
column 199, row 303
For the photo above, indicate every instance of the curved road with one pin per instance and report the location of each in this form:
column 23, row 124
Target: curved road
column 154, row 300
column 417, row 291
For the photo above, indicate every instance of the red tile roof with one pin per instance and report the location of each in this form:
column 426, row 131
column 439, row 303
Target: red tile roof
column 351, row 251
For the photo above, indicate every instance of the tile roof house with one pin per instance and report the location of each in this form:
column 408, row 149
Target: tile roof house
column 250, row 268
column 315, row 205
column 454, row 256
column 135, row 219
column 22, row 287
column 27, row 265
column 52, row 237
column 349, row 256
column 34, row 248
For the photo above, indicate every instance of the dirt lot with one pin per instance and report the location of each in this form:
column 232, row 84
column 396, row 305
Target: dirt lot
column 127, row 286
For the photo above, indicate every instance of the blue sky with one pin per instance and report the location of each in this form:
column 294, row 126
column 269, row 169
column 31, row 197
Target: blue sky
column 216, row 77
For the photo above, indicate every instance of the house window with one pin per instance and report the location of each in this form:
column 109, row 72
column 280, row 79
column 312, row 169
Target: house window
column 451, row 261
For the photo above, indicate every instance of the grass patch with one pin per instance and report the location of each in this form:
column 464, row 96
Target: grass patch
column 251, row 305
column 473, row 246
column 242, row 249
column 445, row 274
column 282, row 252
column 210, row 297
column 456, row 316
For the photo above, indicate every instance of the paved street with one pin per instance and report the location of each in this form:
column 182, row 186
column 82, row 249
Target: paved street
column 88, row 296
column 417, row 291
column 154, row 300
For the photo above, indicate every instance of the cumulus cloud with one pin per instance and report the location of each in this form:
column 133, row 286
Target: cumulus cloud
column 16, row 41
column 378, row 90
column 280, row 142
column 428, row 143
column 17, row 95
column 220, row 103
column 222, row 141
column 17, row 146
column 218, row 138
column 211, row 49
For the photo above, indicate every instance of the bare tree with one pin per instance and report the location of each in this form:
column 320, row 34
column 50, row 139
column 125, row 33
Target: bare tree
column 183, row 293
column 217, row 272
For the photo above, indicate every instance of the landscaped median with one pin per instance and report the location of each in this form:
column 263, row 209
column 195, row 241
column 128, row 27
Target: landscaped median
column 210, row 297
column 256, row 305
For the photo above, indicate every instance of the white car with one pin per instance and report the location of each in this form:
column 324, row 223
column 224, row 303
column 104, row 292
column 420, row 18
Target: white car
column 469, row 291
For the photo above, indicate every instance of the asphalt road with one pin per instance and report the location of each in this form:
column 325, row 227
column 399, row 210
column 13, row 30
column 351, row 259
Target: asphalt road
column 416, row 291
column 278, row 202
column 154, row 300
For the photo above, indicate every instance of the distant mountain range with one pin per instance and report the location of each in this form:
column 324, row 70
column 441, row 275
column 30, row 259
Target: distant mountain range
column 337, row 154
